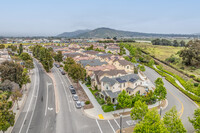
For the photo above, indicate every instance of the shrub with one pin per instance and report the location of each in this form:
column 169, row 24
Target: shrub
column 196, row 84
column 10, row 103
column 61, row 65
column 87, row 102
column 182, row 68
column 107, row 108
column 100, row 101
column 192, row 76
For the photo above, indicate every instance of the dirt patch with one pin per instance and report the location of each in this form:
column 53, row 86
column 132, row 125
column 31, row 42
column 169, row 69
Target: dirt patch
column 126, row 130
column 81, row 94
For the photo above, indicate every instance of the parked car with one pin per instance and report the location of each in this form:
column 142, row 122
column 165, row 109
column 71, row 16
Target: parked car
column 73, row 91
column 75, row 97
column 63, row 72
column 71, row 87
column 78, row 104
column 57, row 65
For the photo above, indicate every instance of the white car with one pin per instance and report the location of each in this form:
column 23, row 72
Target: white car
column 75, row 97
column 78, row 104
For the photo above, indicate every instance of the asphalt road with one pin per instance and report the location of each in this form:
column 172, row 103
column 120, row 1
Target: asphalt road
column 38, row 114
column 184, row 105
column 72, row 120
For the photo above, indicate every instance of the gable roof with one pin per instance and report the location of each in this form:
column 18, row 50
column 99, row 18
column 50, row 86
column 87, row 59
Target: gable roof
column 93, row 62
column 121, row 79
column 123, row 62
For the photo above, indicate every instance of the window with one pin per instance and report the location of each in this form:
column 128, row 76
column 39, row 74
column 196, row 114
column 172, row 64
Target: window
column 107, row 87
column 127, row 67
column 124, row 84
column 120, row 85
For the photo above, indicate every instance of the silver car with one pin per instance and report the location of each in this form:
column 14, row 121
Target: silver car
column 78, row 104
column 75, row 97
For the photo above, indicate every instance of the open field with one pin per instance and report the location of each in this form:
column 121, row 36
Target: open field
column 160, row 52
column 163, row 52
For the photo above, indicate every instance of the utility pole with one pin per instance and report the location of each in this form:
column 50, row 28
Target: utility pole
column 120, row 123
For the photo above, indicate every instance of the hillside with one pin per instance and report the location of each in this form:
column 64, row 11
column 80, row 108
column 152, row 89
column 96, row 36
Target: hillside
column 72, row 34
column 107, row 32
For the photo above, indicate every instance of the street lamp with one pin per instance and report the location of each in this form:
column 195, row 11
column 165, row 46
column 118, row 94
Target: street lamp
column 160, row 111
column 120, row 123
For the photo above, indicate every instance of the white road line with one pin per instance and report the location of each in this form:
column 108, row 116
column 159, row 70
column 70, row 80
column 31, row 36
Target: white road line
column 111, row 126
column 70, row 97
column 30, row 101
column 46, row 100
column 98, row 126
column 34, row 105
column 64, row 91
column 116, row 123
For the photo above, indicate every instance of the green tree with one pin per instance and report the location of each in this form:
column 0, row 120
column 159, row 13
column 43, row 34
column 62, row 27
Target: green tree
column 2, row 46
column 142, row 68
column 159, row 82
column 133, row 60
column 69, row 61
column 20, row 49
column 196, row 120
column 7, row 117
column 11, row 71
column 151, row 62
column 25, row 77
column 59, row 56
column 173, row 122
column 29, row 64
column 16, row 94
column 150, row 124
column 160, row 92
column 25, row 56
column 124, row 100
column 127, row 58
column 77, row 72
column 139, row 110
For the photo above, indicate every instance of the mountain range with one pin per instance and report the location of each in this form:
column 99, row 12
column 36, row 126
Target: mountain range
column 107, row 32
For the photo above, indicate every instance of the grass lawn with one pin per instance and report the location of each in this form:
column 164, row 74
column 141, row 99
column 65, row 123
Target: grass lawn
column 160, row 52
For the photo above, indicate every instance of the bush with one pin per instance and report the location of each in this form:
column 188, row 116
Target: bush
column 87, row 102
column 107, row 108
column 182, row 68
column 192, row 76
column 100, row 101
column 10, row 103
column 196, row 84
column 61, row 65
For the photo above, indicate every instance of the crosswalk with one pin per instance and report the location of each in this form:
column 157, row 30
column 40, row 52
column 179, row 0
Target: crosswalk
column 111, row 126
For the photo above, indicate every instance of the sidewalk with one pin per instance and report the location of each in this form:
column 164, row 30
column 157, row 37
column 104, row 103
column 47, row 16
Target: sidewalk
column 21, row 103
column 98, row 113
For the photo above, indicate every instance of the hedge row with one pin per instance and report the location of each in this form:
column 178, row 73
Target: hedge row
column 173, row 82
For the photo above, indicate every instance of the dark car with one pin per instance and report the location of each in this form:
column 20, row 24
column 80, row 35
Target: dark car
column 73, row 91
column 62, row 72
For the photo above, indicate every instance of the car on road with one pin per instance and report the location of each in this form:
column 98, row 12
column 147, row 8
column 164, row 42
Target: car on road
column 63, row 72
column 73, row 91
column 71, row 87
column 78, row 104
column 57, row 65
column 75, row 97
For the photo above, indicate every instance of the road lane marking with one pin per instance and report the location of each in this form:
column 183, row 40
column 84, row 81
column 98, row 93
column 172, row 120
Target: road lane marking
column 111, row 126
column 64, row 91
column 34, row 104
column 101, row 116
column 116, row 123
column 65, row 81
column 182, row 107
column 30, row 101
column 98, row 126
column 46, row 100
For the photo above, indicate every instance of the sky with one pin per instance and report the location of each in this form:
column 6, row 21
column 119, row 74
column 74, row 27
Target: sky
column 52, row 17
